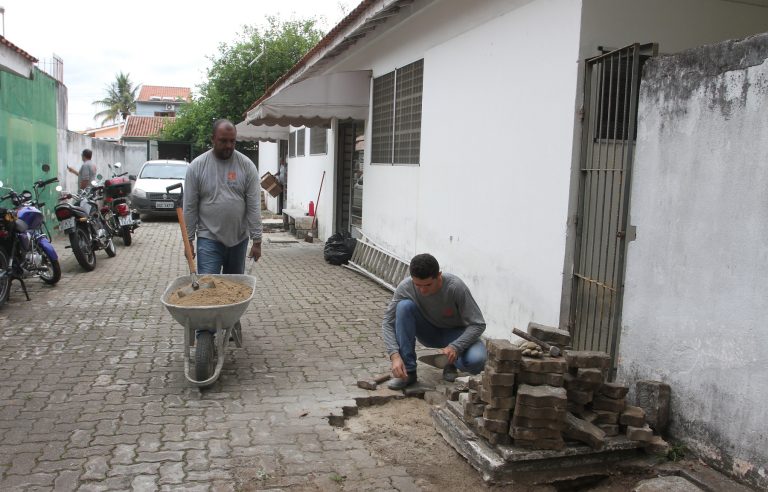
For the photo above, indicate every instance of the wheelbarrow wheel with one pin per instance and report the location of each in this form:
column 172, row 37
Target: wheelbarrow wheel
column 204, row 357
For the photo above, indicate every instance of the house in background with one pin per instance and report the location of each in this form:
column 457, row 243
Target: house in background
column 111, row 133
column 158, row 100
column 155, row 107
column 500, row 137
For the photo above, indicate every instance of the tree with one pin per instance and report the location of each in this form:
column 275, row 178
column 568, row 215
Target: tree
column 120, row 100
column 232, row 85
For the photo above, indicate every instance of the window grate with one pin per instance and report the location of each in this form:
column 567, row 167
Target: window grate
column 318, row 141
column 300, row 142
column 408, row 113
column 292, row 144
column 383, row 118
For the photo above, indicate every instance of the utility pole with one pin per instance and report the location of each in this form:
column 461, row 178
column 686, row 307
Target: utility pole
column 2, row 12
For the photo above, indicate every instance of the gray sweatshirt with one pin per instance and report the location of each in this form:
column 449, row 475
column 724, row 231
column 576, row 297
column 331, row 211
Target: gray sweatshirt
column 222, row 199
column 452, row 307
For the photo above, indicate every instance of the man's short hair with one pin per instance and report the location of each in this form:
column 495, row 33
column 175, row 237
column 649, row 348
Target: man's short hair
column 219, row 122
column 87, row 154
column 424, row 266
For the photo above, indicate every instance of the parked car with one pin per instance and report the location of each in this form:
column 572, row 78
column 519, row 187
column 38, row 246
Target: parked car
column 149, row 196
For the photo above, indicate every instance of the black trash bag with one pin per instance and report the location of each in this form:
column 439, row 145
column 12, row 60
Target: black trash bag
column 339, row 248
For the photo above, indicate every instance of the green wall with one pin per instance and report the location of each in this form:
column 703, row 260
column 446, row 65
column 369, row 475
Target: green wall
column 28, row 135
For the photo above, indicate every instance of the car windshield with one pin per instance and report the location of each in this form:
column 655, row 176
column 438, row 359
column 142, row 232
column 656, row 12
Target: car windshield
column 163, row 171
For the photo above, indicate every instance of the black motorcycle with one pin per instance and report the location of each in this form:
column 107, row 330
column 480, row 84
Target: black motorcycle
column 83, row 221
column 120, row 216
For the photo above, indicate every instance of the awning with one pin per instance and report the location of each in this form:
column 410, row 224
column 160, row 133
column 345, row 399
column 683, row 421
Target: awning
column 261, row 133
column 316, row 100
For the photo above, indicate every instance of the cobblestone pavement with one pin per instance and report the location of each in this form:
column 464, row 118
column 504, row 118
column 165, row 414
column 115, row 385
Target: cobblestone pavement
column 94, row 395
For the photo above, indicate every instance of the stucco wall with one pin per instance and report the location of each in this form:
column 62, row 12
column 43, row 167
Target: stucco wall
column 695, row 300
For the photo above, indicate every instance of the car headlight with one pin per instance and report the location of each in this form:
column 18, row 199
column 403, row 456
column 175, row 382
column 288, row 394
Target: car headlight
column 139, row 193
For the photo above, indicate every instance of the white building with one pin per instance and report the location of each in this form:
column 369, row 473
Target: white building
column 483, row 144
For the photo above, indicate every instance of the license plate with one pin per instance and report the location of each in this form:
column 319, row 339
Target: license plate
column 125, row 221
column 163, row 204
column 67, row 224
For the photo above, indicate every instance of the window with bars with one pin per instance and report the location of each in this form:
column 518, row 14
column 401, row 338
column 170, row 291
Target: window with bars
column 396, row 120
column 300, row 142
column 292, row 144
column 318, row 141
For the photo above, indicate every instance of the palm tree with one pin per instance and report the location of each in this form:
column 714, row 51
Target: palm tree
column 120, row 100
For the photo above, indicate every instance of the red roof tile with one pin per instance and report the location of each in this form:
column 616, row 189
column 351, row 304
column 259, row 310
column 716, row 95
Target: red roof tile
column 144, row 126
column 147, row 91
column 17, row 49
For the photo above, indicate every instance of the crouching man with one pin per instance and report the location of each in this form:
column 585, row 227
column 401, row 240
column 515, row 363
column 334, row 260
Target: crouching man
column 438, row 310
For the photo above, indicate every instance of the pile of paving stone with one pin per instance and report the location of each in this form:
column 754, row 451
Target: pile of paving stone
column 541, row 402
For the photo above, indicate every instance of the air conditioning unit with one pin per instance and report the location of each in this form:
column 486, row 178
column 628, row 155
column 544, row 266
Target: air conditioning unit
column 170, row 107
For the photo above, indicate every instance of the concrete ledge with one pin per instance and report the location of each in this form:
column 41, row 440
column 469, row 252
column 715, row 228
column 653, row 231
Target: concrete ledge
column 509, row 464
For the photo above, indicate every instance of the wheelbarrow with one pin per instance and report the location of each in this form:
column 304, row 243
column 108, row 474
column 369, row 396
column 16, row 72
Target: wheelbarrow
column 207, row 329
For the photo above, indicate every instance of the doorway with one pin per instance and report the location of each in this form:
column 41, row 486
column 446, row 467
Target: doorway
column 349, row 177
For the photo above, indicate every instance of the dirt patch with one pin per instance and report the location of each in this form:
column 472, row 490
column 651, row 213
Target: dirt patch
column 401, row 433
column 223, row 292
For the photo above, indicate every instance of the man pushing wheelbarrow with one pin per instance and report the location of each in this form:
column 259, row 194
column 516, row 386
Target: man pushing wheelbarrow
column 222, row 210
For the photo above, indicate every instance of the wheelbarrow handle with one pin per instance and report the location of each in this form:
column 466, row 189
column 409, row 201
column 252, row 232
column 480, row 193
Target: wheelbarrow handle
column 187, row 246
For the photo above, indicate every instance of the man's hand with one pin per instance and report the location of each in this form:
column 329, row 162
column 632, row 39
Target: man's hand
column 255, row 251
column 398, row 366
column 451, row 353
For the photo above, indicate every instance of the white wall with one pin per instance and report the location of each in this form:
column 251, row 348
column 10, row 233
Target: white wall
column 695, row 301
column 489, row 198
column 268, row 154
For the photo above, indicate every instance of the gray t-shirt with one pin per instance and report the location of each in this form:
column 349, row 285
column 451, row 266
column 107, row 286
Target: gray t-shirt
column 87, row 171
column 222, row 199
column 452, row 307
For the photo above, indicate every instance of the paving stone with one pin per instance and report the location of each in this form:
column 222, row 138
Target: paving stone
column 579, row 397
column 606, row 417
column 614, row 390
column 534, row 423
column 493, row 378
column 505, row 403
column 491, row 413
column 546, row 413
column 665, row 484
column 581, row 430
column 601, row 402
column 634, row 416
column 533, row 434
column 542, row 396
column 549, row 334
column 552, row 365
column 503, row 350
column 548, row 379
column 503, row 366
column 653, row 397
column 644, row 434
column 590, row 375
column 498, row 426
column 610, row 430
column 587, row 359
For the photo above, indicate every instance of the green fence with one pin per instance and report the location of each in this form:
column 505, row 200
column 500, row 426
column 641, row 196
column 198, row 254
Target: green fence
column 28, row 132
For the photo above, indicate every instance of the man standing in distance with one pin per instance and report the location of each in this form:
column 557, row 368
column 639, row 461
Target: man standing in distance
column 87, row 172
column 438, row 310
column 222, row 205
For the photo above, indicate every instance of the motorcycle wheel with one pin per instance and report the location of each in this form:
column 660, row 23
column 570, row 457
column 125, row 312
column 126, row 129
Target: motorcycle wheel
column 110, row 249
column 126, row 234
column 5, row 281
column 53, row 272
column 81, row 247
column 204, row 358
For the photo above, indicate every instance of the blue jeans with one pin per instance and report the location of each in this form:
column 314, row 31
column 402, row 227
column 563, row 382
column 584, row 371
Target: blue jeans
column 214, row 257
column 410, row 325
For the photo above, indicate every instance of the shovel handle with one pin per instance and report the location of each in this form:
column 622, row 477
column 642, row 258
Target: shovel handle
column 187, row 246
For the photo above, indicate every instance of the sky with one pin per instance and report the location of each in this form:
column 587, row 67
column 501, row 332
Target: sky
column 161, row 42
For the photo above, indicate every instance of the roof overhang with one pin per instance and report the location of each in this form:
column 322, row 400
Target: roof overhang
column 260, row 133
column 316, row 100
column 15, row 60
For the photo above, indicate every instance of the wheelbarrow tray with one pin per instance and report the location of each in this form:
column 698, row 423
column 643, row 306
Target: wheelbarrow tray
column 208, row 317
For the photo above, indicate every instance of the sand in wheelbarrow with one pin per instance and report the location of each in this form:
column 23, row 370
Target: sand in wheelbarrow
column 224, row 292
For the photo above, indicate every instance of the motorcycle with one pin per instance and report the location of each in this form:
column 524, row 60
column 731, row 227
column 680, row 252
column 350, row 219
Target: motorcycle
column 25, row 250
column 119, row 215
column 81, row 218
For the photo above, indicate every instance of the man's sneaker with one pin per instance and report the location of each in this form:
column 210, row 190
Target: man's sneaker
column 449, row 373
column 439, row 360
column 398, row 383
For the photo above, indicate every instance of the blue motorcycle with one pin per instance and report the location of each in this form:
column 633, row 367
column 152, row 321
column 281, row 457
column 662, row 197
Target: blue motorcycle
column 25, row 246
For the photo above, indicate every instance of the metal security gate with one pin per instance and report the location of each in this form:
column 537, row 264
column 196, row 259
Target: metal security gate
column 611, row 85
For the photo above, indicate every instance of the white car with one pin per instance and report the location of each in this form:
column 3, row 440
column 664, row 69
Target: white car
column 149, row 196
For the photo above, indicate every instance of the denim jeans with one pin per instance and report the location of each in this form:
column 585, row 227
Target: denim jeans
column 214, row 257
column 410, row 325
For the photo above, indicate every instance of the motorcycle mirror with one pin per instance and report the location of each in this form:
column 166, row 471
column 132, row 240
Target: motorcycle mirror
column 46, row 168
column 98, row 177
column 118, row 165
column 58, row 188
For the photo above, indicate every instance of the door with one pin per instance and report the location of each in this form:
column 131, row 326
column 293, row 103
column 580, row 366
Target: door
column 611, row 86
column 349, row 178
